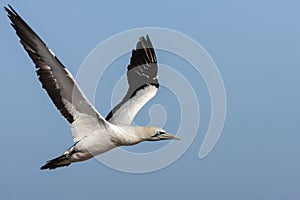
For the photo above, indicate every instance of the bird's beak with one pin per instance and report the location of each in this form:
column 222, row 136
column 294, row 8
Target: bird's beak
column 168, row 136
column 176, row 138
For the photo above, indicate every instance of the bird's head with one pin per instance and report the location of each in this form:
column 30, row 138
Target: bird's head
column 153, row 133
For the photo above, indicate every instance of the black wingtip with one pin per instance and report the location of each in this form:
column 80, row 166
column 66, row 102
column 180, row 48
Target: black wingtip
column 145, row 38
column 148, row 38
column 7, row 10
column 142, row 38
column 10, row 11
column 144, row 42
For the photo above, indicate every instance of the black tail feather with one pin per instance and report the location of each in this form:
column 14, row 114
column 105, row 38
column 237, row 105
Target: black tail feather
column 57, row 162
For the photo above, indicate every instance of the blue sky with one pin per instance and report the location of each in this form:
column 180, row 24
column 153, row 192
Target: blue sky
column 256, row 46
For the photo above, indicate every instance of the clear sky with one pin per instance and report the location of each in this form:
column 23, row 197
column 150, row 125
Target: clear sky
column 256, row 46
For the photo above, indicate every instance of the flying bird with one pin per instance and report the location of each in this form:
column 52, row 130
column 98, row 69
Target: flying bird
column 92, row 133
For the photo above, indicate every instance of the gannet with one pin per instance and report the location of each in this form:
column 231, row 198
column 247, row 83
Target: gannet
column 92, row 133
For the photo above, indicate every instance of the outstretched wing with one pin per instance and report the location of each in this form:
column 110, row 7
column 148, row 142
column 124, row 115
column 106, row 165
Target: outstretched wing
column 55, row 78
column 142, row 77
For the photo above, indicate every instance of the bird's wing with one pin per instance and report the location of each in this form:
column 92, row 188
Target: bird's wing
column 142, row 76
column 56, row 80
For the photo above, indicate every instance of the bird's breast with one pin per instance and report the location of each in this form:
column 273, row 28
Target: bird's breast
column 96, row 144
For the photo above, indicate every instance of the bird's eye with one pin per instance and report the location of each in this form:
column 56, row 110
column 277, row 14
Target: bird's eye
column 158, row 133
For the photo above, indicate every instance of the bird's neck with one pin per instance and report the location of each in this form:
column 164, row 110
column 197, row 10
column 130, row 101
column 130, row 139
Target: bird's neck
column 128, row 135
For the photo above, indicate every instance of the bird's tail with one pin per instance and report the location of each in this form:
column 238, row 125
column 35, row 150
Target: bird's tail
column 61, row 161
